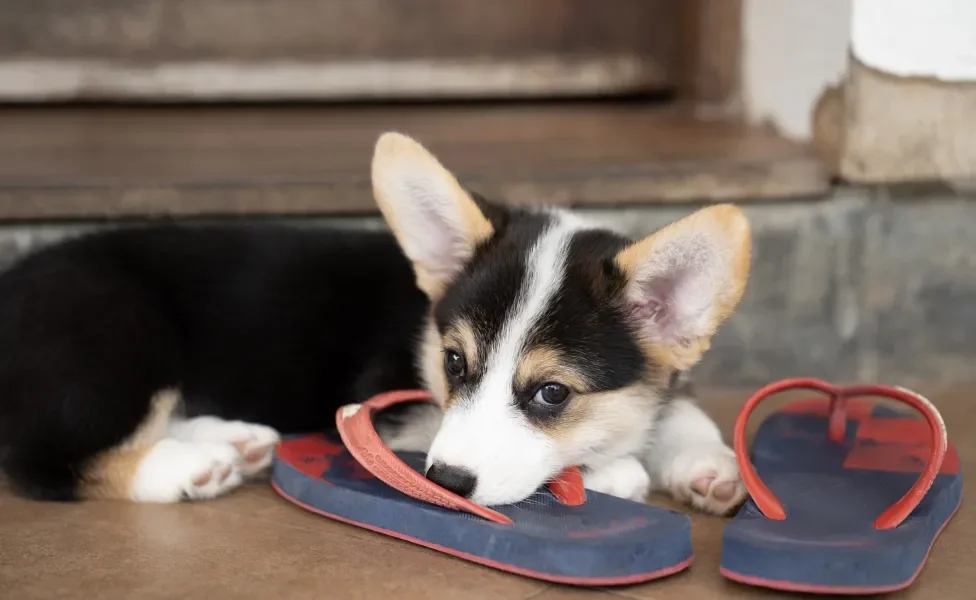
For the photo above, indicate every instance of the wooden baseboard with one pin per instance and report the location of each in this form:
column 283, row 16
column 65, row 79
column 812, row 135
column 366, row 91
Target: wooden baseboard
column 710, row 56
column 138, row 50
column 258, row 81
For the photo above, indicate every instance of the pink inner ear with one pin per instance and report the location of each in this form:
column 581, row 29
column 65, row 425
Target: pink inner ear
column 654, row 310
column 648, row 310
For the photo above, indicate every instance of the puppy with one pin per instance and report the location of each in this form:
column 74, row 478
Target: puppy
column 158, row 364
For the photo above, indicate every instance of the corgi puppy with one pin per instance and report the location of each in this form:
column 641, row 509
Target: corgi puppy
column 160, row 363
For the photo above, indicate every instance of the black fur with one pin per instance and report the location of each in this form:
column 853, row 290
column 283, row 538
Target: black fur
column 272, row 325
column 584, row 320
column 278, row 326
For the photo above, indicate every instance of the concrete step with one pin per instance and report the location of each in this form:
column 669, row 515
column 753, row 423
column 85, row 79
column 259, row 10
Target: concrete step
column 862, row 284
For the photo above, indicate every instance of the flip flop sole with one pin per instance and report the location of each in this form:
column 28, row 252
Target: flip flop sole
column 605, row 541
column 832, row 493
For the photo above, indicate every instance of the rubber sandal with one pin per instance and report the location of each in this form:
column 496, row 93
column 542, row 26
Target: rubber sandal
column 562, row 534
column 847, row 495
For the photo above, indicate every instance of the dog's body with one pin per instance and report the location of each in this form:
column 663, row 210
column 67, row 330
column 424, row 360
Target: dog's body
column 157, row 364
column 269, row 325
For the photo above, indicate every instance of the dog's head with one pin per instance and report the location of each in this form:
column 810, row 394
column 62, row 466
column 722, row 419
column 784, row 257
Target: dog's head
column 549, row 342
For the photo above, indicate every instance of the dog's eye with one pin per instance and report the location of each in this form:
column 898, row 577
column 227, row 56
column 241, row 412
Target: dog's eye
column 551, row 394
column 454, row 364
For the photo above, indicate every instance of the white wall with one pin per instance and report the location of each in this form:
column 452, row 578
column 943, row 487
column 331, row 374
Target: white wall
column 792, row 49
column 926, row 38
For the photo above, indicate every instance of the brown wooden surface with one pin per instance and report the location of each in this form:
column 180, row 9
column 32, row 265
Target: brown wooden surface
column 90, row 162
column 152, row 31
column 709, row 71
column 334, row 49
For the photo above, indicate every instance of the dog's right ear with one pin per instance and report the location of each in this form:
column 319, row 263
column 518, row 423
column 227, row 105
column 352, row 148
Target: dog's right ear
column 685, row 280
column 437, row 224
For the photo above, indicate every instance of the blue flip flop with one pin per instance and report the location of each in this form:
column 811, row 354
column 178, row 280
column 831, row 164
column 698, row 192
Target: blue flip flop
column 562, row 535
column 847, row 496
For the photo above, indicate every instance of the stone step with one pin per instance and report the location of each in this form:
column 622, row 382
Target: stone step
column 873, row 285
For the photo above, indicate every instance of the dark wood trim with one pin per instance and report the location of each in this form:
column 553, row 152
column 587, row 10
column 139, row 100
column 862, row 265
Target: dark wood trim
column 710, row 56
column 326, row 50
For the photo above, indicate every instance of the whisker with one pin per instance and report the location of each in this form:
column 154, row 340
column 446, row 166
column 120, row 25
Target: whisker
column 573, row 485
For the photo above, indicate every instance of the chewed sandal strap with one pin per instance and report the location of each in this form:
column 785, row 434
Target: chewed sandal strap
column 356, row 427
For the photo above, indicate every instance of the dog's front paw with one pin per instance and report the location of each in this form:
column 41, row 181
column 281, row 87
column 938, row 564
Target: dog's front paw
column 624, row 478
column 707, row 478
column 254, row 443
column 174, row 470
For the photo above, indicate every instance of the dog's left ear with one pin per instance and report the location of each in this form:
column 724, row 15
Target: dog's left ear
column 685, row 280
column 436, row 222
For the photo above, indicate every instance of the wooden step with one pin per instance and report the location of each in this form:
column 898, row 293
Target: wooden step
column 333, row 49
column 93, row 162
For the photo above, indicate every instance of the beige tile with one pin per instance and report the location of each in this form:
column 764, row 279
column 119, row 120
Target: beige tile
column 193, row 551
column 252, row 544
column 562, row 592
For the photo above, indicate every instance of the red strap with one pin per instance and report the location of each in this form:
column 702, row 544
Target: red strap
column 770, row 505
column 355, row 424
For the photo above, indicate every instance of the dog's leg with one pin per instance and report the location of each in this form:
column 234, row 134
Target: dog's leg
column 253, row 443
column 689, row 460
column 149, row 467
column 623, row 477
column 167, row 471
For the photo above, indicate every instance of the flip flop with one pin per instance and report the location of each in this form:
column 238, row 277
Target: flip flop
column 847, row 495
column 562, row 534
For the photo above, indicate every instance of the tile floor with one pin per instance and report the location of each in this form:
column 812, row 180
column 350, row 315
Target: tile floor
column 254, row 545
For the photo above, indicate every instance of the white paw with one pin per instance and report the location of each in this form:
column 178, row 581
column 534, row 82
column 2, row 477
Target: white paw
column 254, row 443
column 174, row 470
column 624, row 478
column 707, row 477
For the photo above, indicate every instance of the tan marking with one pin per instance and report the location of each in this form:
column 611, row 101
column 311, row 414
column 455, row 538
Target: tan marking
column 727, row 226
column 542, row 364
column 396, row 151
column 460, row 336
column 432, row 363
column 153, row 428
column 602, row 414
column 109, row 475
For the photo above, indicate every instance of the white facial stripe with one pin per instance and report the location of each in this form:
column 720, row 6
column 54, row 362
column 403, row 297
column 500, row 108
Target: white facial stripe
column 544, row 271
column 486, row 433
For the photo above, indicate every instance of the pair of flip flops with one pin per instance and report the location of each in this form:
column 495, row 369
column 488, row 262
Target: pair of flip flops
column 847, row 496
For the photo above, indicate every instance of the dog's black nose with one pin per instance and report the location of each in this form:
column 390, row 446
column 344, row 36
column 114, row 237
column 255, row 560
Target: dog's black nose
column 455, row 479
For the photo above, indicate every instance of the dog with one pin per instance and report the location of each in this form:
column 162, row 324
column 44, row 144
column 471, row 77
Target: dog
column 159, row 363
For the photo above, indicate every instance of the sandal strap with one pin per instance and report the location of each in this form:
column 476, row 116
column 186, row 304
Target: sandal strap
column 770, row 505
column 358, row 432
